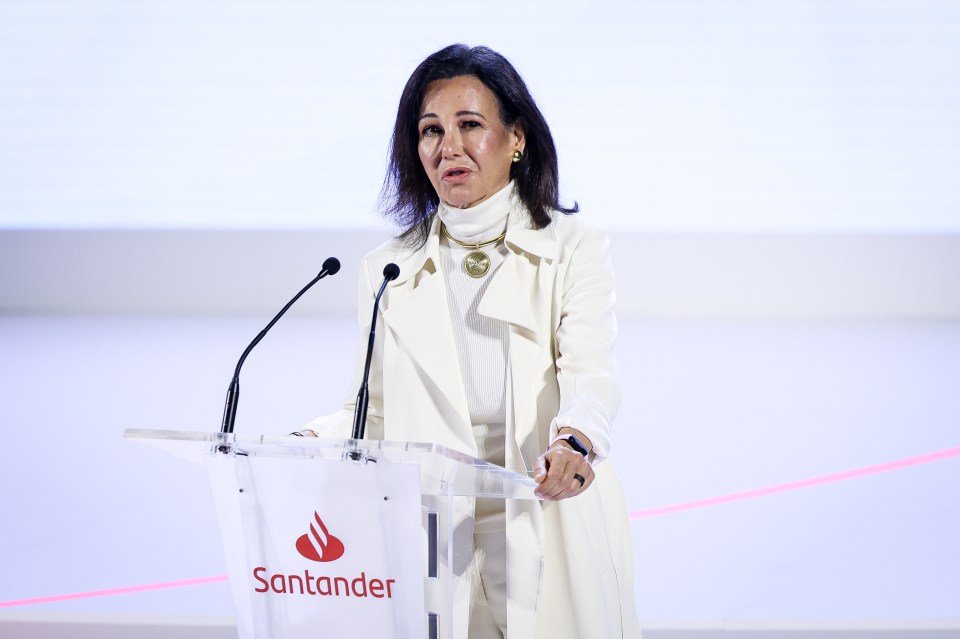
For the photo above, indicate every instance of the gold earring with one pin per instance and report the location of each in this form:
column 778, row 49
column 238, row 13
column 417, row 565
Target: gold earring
column 517, row 156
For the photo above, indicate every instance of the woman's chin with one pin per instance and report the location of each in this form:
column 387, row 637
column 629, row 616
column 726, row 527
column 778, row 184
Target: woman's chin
column 463, row 200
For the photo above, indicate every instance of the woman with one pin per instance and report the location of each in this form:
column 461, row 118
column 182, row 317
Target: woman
column 497, row 341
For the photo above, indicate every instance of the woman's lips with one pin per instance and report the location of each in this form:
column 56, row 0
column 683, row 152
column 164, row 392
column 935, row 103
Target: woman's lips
column 456, row 175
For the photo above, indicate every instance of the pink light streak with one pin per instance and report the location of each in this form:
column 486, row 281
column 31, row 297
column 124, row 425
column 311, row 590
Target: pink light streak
column 638, row 514
column 796, row 485
column 198, row 581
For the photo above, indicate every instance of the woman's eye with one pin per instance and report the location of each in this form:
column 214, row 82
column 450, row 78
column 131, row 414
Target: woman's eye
column 430, row 129
column 470, row 124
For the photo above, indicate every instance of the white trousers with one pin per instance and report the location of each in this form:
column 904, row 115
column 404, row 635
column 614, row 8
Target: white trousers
column 488, row 609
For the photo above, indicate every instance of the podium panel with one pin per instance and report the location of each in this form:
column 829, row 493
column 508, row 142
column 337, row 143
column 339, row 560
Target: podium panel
column 341, row 538
column 346, row 559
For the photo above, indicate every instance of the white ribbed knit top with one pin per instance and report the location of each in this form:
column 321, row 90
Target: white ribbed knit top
column 481, row 342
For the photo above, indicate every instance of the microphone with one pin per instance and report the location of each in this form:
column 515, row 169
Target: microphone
column 390, row 272
column 331, row 266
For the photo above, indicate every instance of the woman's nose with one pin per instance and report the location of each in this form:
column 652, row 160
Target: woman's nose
column 452, row 145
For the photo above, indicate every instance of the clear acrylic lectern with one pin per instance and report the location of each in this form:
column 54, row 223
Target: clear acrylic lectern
column 343, row 538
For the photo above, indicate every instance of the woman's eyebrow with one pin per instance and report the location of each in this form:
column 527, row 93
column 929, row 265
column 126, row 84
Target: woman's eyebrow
column 459, row 113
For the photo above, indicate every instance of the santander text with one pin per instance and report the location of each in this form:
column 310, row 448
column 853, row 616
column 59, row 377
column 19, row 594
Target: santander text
column 323, row 585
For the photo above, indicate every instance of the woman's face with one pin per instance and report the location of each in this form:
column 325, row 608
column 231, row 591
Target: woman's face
column 464, row 147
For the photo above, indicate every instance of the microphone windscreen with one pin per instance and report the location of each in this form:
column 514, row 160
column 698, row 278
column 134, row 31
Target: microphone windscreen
column 391, row 271
column 331, row 265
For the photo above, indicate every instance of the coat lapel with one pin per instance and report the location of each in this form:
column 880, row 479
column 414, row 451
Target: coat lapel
column 501, row 302
column 521, row 294
column 419, row 316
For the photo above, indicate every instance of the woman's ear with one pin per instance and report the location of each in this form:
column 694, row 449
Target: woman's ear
column 519, row 135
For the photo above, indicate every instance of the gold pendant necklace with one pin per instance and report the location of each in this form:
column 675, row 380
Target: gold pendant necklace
column 476, row 263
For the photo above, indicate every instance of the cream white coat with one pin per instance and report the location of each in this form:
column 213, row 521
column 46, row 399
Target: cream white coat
column 570, row 564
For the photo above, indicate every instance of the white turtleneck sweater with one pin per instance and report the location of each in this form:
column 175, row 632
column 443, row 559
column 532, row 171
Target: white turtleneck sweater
column 481, row 342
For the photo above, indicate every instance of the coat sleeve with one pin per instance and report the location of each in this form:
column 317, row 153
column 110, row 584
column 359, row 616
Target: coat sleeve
column 339, row 425
column 585, row 336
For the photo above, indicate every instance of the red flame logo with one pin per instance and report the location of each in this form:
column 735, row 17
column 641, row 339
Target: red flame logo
column 319, row 544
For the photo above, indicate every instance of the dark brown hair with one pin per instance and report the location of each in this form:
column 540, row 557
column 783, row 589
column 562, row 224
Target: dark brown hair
column 408, row 197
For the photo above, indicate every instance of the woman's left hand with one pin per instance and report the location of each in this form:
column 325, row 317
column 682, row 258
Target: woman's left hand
column 559, row 471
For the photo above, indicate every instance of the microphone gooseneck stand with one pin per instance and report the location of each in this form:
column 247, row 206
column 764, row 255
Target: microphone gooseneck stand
column 390, row 272
column 331, row 266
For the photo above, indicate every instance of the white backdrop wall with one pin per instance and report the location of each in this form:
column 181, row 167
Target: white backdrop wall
column 682, row 115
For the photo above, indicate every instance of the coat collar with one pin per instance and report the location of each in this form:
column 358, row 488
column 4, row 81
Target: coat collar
column 539, row 242
column 416, row 261
column 500, row 300
column 521, row 237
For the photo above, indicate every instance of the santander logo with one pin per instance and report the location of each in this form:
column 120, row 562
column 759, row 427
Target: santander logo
column 319, row 544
